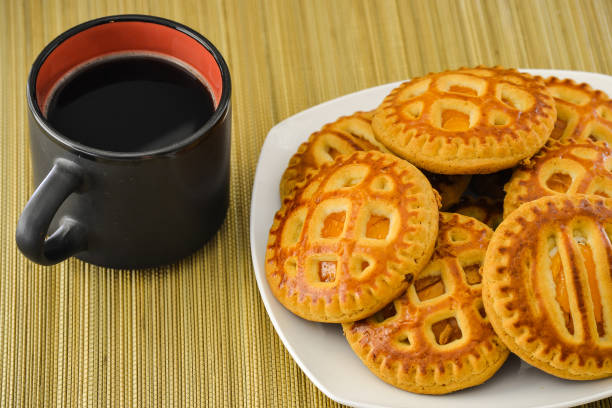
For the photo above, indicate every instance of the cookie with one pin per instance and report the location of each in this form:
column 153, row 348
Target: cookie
column 467, row 121
column 547, row 287
column 436, row 338
column 570, row 167
column 582, row 112
column 450, row 188
column 484, row 209
column 351, row 237
column 346, row 135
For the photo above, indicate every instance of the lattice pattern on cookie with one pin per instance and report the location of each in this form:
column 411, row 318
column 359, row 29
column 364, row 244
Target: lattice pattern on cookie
column 567, row 167
column 435, row 339
column 351, row 237
column 582, row 112
column 346, row 135
column 548, row 286
column 466, row 121
column 484, row 209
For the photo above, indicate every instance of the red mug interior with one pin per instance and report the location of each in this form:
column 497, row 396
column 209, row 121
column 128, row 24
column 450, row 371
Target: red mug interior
column 126, row 37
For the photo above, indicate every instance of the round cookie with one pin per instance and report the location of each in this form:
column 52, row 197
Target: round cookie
column 582, row 112
column 547, row 287
column 346, row 135
column 570, row 167
column 484, row 209
column 467, row 121
column 450, row 188
column 436, row 338
column 351, row 237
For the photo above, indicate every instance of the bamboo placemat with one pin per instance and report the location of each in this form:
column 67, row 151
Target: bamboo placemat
column 196, row 333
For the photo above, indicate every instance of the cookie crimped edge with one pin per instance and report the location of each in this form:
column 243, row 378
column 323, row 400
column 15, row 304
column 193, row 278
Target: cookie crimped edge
column 583, row 86
column 598, row 98
column 290, row 178
column 333, row 312
column 514, row 188
column 395, row 375
column 455, row 374
column 495, row 155
column 497, row 294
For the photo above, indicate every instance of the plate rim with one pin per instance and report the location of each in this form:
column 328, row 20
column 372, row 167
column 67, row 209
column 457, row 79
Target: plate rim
column 255, row 258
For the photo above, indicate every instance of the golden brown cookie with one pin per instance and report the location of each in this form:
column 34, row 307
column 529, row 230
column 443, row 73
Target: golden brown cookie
column 484, row 209
column 436, row 338
column 547, row 286
column 346, row 135
column 351, row 237
column 468, row 121
column 450, row 188
column 582, row 112
column 562, row 167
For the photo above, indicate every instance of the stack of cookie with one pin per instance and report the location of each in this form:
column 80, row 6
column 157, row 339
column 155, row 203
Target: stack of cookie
column 432, row 302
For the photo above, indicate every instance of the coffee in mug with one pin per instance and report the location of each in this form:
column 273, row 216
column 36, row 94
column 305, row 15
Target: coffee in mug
column 130, row 102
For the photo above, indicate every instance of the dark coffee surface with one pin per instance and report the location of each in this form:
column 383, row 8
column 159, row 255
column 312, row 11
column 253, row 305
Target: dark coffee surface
column 130, row 104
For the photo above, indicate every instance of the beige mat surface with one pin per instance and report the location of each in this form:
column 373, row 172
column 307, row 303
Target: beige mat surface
column 196, row 333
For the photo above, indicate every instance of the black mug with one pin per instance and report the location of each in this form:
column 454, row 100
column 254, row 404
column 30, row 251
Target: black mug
column 125, row 209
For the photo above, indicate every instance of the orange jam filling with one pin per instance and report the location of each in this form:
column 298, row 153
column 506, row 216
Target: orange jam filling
column 455, row 120
column 559, row 128
column 429, row 287
column 446, row 331
column 561, row 295
column 559, row 182
column 472, row 274
column 589, row 264
column 333, row 225
column 462, row 89
column 327, row 271
column 377, row 227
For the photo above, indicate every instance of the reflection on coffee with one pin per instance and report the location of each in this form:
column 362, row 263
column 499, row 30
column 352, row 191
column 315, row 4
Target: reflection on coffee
column 130, row 103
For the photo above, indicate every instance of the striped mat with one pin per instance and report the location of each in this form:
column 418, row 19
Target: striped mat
column 196, row 333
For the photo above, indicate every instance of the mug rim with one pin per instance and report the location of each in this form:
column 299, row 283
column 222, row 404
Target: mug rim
column 95, row 153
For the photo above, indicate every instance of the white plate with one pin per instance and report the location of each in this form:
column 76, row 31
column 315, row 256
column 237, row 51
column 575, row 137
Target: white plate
column 321, row 350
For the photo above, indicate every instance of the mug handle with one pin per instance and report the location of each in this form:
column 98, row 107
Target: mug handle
column 64, row 178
